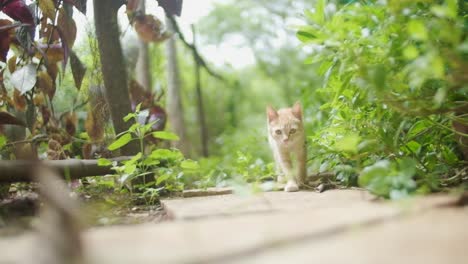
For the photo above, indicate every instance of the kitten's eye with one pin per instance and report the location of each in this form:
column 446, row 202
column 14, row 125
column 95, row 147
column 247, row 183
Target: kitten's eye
column 278, row 132
column 292, row 131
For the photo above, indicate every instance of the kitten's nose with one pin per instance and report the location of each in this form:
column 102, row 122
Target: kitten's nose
column 285, row 139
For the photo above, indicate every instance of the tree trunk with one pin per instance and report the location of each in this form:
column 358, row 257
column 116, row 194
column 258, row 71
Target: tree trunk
column 113, row 66
column 142, row 69
column 200, row 110
column 174, row 100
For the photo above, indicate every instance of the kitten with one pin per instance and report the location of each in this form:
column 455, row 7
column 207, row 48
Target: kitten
column 287, row 141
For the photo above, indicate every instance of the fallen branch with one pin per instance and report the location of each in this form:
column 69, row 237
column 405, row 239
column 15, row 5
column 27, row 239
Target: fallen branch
column 319, row 175
column 21, row 170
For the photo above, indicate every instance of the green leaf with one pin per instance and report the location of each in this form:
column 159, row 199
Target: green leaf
column 3, row 141
column 418, row 127
column 378, row 169
column 375, row 178
column 449, row 155
column 440, row 96
column 189, row 165
column 407, row 167
column 120, row 142
column 165, row 135
column 84, row 135
column 129, row 116
column 164, row 154
column 308, row 34
column 414, row 146
column 135, row 158
column 162, row 178
column 319, row 14
column 150, row 162
column 452, row 6
column 134, row 127
column 417, row 30
column 379, row 76
column 438, row 67
column 349, row 143
column 137, row 109
column 410, row 52
column 130, row 169
column 104, row 162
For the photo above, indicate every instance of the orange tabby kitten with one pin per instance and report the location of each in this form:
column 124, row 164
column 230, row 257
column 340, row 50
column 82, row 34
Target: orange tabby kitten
column 287, row 141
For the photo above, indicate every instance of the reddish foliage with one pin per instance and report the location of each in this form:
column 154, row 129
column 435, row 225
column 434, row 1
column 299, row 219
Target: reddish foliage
column 18, row 10
column 9, row 119
column 5, row 39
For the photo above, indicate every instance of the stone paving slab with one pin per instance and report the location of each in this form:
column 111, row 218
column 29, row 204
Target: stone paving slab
column 432, row 237
column 228, row 205
column 226, row 228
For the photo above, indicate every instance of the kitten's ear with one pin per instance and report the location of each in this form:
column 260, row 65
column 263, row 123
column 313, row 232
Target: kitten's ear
column 297, row 110
column 271, row 113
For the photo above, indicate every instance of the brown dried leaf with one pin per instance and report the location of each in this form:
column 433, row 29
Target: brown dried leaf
column 71, row 122
column 138, row 94
column 98, row 103
column 25, row 151
column 9, row 119
column 87, row 151
column 48, row 8
column 19, row 102
column 94, row 128
column 45, row 84
column 54, row 53
column 12, row 64
column 39, row 99
column 67, row 26
column 78, row 69
column 150, row 29
column 45, row 112
column 54, row 145
column 48, row 32
column 52, row 70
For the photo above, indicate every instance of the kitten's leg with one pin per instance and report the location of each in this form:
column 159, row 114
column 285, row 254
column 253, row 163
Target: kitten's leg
column 286, row 165
column 301, row 166
column 279, row 170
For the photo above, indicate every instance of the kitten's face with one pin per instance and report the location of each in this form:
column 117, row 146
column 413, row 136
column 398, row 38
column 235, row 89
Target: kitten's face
column 285, row 125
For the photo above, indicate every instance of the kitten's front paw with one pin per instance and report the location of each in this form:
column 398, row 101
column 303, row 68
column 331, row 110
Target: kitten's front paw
column 291, row 186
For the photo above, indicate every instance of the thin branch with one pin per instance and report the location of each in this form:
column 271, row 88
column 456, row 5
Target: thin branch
column 197, row 55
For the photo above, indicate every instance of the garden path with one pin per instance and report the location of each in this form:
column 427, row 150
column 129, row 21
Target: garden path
column 336, row 226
